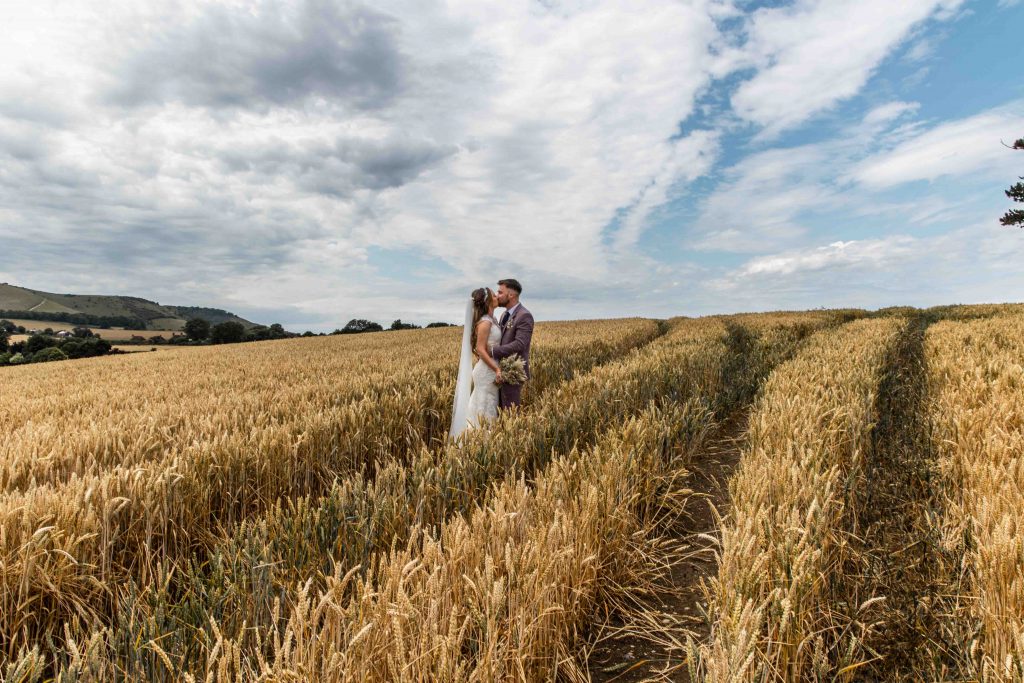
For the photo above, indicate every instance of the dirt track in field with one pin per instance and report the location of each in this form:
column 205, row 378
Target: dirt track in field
column 628, row 658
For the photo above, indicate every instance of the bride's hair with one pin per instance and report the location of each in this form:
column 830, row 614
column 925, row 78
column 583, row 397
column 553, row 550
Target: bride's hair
column 481, row 304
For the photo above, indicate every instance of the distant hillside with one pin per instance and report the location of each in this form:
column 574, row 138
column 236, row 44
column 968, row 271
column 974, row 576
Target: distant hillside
column 129, row 310
column 213, row 315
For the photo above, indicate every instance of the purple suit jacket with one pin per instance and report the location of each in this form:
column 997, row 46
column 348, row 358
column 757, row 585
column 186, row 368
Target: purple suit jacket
column 515, row 338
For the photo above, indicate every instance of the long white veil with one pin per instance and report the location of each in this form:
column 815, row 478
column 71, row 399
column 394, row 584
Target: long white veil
column 464, row 384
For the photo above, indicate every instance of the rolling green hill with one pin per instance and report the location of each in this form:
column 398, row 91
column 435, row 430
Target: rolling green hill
column 149, row 314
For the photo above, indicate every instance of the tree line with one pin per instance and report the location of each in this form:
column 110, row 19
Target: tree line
column 84, row 319
column 201, row 331
column 359, row 325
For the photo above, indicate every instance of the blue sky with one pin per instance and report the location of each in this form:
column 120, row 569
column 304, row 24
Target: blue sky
column 313, row 161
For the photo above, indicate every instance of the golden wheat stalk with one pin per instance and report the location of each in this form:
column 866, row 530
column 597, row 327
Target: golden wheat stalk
column 976, row 382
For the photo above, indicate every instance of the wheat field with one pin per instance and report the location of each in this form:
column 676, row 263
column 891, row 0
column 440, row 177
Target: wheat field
column 293, row 510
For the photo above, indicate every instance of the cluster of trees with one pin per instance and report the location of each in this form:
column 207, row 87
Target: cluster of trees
column 41, row 348
column 359, row 325
column 9, row 328
column 1016, row 193
column 84, row 319
column 200, row 331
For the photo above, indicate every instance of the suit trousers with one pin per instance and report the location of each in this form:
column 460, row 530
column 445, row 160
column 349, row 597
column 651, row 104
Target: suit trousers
column 509, row 395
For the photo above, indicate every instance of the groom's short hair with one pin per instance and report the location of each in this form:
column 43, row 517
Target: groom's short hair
column 512, row 284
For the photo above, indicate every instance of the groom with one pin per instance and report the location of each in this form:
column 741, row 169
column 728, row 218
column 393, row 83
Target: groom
column 516, row 331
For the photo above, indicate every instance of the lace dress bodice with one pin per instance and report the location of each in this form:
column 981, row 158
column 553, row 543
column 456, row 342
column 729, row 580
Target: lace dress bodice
column 494, row 336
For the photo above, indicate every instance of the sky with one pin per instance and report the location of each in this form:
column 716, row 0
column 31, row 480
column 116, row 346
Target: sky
column 313, row 161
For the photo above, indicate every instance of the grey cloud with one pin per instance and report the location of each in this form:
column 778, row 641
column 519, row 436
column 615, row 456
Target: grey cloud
column 341, row 168
column 30, row 170
column 147, row 255
column 339, row 51
column 386, row 165
column 22, row 146
column 53, row 209
column 38, row 109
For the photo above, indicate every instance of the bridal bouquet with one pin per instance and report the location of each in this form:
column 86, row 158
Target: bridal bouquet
column 513, row 370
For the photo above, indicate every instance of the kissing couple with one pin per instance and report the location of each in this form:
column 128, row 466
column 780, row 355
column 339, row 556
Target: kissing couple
column 480, row 390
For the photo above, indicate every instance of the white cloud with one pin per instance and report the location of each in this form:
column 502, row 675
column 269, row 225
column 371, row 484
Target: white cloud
column 889, row 112
column 955, row 148
column 973, row 264
column 588, row 101
column 759, row 204
column 921, row 50
column 874, row 254
column 769, row 200
column 814, row 53
column 688, row 159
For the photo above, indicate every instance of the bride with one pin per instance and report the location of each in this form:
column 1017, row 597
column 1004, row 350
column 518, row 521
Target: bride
column 479, row 336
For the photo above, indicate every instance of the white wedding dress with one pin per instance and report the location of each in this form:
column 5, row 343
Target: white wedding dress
column 483, row 402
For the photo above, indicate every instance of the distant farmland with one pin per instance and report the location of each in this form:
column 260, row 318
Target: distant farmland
column 114, row 334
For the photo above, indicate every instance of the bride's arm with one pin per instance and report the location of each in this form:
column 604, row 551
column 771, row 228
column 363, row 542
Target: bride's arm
column 483, row 331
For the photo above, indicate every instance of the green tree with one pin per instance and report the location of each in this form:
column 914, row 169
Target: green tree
column 197, row 329
column 399, row 325
column 84, row 348
column 38, row 342
column 49, row 354
column 1016, row 193
column 358, row 325
column 227, row 333
column 4, row 339
column 258, row 333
